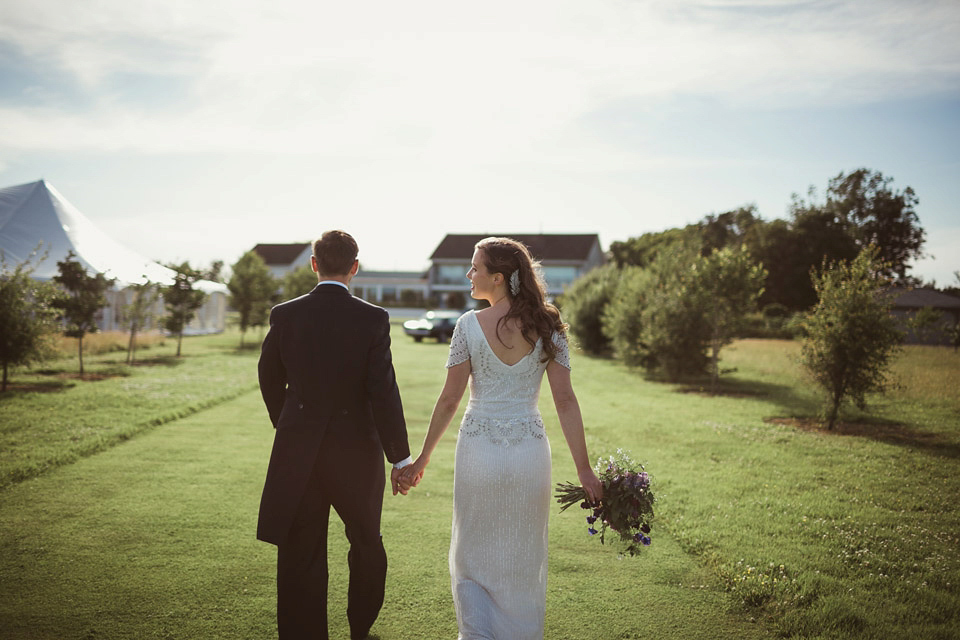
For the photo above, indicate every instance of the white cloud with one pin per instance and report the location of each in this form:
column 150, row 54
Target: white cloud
column 501, row 82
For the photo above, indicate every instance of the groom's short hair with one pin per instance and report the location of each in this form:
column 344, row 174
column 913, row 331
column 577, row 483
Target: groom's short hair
column 335, row 252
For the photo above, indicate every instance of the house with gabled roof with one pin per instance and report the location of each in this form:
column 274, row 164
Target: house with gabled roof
column 408, row 288
column 281, row 259
column 563, row 258
column 942, row 309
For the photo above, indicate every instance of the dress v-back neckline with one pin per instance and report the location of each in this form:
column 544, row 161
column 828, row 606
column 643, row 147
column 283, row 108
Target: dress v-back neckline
column 486, row 341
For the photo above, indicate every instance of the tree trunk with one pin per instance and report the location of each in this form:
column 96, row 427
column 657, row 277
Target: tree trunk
column 715, row 354
column 3, row 386
column 132, row 346
column 80, row 352
column 179, row 342
column 834, row 411
column 242, row 331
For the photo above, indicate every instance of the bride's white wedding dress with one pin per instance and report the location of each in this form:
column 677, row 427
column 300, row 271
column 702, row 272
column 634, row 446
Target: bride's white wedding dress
column 501, row 491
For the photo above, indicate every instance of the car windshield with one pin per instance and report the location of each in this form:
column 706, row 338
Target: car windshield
column 439, row 315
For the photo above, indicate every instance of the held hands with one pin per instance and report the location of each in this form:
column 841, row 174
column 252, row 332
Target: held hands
column 395, row 481
column 412, row 474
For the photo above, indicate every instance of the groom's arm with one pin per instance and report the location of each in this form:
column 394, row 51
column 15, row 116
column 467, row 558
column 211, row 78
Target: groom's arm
column 271, row 372
column 384, row 395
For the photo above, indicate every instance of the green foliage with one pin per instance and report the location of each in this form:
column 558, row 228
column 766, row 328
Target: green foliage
column 850, row 334
column 666, row 317
column 252, row 290
column 298, row 282
column 878, row 216
column 182, row 300
column 643, row 250
column 729, row 284
column 676, row 327
column 583, row 306
column 622, row 319
column 139, row 312
column 82, row 299
column 860, row 209
column 26, row 317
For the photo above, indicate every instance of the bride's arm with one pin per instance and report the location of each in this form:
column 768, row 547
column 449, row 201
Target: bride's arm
column 443, row 412
column 571, row 422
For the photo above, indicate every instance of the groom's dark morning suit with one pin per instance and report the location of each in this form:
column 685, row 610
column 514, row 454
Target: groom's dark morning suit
column 327, row 378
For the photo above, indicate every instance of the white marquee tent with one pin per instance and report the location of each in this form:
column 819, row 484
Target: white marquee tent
column 34, row 217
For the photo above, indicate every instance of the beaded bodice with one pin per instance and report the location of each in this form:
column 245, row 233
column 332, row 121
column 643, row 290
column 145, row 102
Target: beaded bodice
column 503, row 398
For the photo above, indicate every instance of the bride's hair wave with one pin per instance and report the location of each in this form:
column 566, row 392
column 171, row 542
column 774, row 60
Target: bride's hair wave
column 529, row 304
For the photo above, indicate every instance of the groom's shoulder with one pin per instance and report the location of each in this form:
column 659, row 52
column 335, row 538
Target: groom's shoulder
column 365, row 307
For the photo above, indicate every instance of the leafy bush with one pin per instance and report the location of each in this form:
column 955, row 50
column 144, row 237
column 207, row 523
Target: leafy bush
column 851, row 336
column 676, row 329
column 622, row 318
column 584, row 304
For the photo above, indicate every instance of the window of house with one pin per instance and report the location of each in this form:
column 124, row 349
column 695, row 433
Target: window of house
column 559, row 277
column 452, row 274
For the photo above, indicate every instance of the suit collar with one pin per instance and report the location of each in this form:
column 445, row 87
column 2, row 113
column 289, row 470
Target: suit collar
column 330, row 288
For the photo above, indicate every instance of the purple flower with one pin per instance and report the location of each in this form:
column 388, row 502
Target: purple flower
column 591, row 519
column 592, row 531
column 645, row 528
column 646, row 541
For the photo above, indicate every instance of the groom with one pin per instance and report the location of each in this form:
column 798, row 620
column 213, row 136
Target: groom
column 327, row 379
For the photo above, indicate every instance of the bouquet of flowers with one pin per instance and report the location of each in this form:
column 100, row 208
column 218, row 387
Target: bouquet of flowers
column 627, row 504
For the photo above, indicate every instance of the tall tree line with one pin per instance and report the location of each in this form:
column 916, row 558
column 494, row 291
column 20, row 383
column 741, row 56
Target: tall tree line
column 860, row 209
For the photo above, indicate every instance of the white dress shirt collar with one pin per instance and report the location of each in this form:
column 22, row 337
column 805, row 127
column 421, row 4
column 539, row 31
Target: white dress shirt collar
column 336, row 282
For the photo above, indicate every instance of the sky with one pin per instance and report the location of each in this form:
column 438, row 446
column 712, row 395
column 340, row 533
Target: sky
column 193, row 129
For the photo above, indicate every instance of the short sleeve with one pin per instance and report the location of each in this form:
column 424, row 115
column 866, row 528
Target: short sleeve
column 561, row 349
column 459, row 350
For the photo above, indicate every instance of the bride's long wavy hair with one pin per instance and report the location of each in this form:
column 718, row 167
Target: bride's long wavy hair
column 529, row 304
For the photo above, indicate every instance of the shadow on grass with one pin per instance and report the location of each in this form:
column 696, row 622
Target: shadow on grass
column 164, row 361
column 783, row 395
column 41, row 386
column 895, row 433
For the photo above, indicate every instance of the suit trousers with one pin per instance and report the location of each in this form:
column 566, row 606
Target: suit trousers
column 350, row 478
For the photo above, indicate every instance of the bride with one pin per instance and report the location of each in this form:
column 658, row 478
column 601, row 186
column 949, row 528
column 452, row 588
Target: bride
column 501, row 487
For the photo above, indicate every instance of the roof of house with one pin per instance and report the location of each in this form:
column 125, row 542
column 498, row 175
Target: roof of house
column 919, row 298
column 280, row 253
column 553, row 246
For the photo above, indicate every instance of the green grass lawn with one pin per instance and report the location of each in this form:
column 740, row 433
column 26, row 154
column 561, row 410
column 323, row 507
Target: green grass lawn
column 764, row 529
column 51, row 417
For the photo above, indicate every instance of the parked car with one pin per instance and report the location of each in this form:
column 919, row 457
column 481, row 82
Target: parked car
column 432, row 324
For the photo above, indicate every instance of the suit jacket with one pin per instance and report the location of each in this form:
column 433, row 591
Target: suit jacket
column 326, row 376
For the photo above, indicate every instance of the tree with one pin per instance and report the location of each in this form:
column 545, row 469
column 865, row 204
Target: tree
column 850, row 334
column 182, row 300
column 878, row 216
column 583, row 305
column 81, row 301
column 731, row 283
column 643, row 250
column 298, row 282
column 27, row 318
column 729, row 229
column 622, row 316
column 139, row 312
column 675, row 321
column 251, row 291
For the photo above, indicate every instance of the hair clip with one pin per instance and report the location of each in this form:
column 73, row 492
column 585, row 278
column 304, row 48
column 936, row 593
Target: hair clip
column 515, row 282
